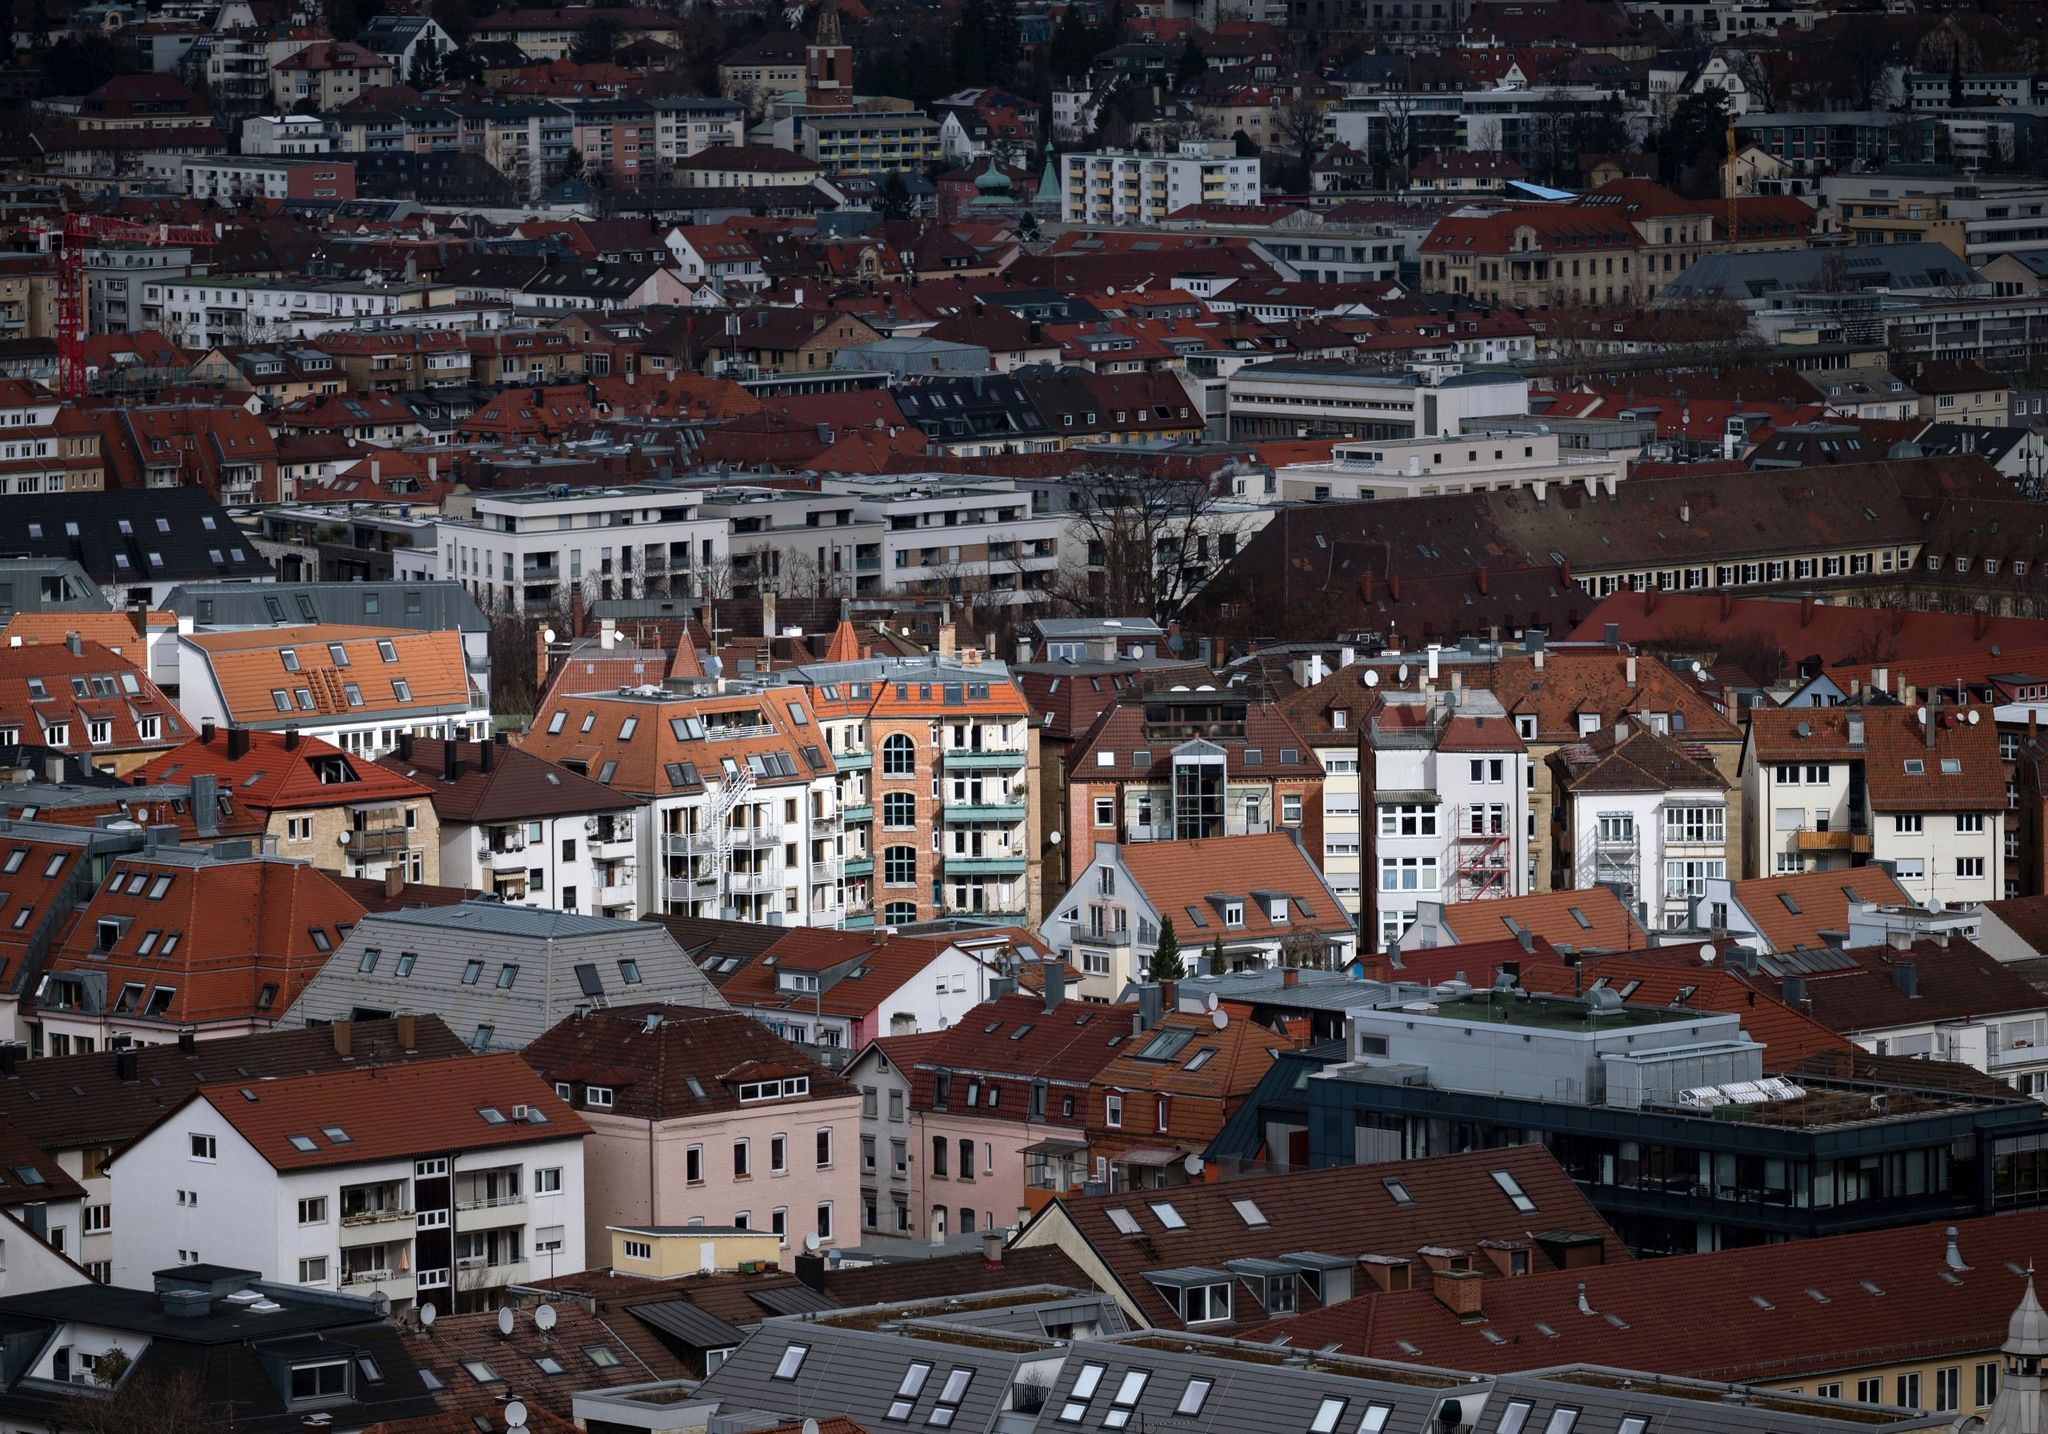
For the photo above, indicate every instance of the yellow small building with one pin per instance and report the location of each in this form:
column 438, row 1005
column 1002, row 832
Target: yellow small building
column 667, row 1252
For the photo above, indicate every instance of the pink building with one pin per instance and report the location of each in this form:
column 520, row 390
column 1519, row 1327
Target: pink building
column 701, row 1117
column 1000, row 1107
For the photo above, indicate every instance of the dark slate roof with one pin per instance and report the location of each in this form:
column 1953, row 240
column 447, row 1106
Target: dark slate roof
column 519, row 787
column 172, row 534
column 720, row 948
column 432, row 607
column 697, row 1328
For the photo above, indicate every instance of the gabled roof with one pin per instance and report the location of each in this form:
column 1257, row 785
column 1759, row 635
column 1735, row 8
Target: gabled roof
column 1797, row 910
column 1630, row 757
column 1958, row 771
column 181, row 937
column 1780, row 1312
column 260, row 686
column 501, row 974
column 163, row 535
column 858, row 970
column 1593, row 916
column 1169, row 1057
column 1187, row 879
column 282, row 771
column 669, row 1062
column 519, row 786
column 1952, row 980
column 1017, row 1037
column 45, row 691
column 65, row 1102
column 381, row 1113
column 1394, row 1210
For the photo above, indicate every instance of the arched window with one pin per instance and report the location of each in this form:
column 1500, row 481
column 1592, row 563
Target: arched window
column 899, row 756
column 899, row 811
column 899, row 865
column 899, row 913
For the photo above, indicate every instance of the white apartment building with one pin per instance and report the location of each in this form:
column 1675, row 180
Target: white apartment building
column 942, row 536
column 1481, row 460
column 1641, row 814
column 201, row 311
column 114, row 275
column 786, row 540
column 1119, row 187
column 685, row 124
column 742, row 818
column 433, row 1181
column 526, row 550
column 228, row 178
column 1921, row 790
column 1299, row 398
column 1450, row 803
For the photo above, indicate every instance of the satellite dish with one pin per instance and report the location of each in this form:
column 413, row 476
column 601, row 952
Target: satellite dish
column 505, row 1321
column 1920, row 715
column 1404, row 672
column 1193, row 1165
column 428, row 1314
column 1213, row 998
column 545, row 1318
column 515, row 1415
column 1219, row 1019
column 1372, row 677
column 1054, row 838
column 810, row 1426
column 1699, row 669
column 1975, row 716
column 342, row 837
column 811, row 1242
column 547, row 635
column 1707, row 954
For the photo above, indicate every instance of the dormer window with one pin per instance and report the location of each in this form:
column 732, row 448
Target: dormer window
column 1233, row 913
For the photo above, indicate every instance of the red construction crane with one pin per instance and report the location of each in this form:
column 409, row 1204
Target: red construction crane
column 68, row 240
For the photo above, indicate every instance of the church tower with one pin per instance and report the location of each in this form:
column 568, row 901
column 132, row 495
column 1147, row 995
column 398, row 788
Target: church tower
column 2018, row 1408
column 828, row 79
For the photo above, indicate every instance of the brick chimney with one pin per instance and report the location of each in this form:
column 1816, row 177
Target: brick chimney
column 1460, row 1292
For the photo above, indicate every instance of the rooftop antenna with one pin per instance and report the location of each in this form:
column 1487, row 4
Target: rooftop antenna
column 428, row 1314
column 544, row 1319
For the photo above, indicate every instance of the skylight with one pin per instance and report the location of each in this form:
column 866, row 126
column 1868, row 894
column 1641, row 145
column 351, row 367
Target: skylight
column 792, row 1361
column 1249, row 1212
column 1512, row 1188
column 1168, row 1216
column 1126, row 1223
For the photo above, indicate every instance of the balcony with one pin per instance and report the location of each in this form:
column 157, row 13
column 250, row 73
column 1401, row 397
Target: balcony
column 378, row 841
column 754, row 838
column 508, row 858
column 754, row 883
column 989, row 812
column 688, row 843
column 865, row 812
column 611, row 840
column 986, row 758
column 853, row 761
column 690, row 889
column 859, row 866
column 485, row 1212
column 613, row 897
column 990, row 865
column 1848, row 841
column 396, row 1284
column 1103, row 936
column 376, row 1227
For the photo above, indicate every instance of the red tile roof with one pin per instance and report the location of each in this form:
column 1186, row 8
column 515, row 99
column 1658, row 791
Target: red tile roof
column 1788, row 1036
column 282, row 771
column 47, row 688
column 393, row 1111
column 1884, row 1301
column 1954, row 981
column 250, row 669
column 1960, row 771
column 1593, row 916
column 520, row 786
column 1177, row 875
column 1822, row 899
column 1452, row 1202
column 1016, row 1037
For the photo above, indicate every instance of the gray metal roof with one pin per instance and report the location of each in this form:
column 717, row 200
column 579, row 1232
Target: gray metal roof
column 791, row 1300
column 1606, row 1397
column 500, row 975
column 428, row 607
column 47, row 585
column 697, row 1328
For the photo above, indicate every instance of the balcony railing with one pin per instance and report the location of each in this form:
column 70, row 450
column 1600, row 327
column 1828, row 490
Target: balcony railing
column 969, row 757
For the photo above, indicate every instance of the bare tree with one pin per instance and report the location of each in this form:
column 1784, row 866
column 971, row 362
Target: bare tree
column 1152, row 543
column 137, row 1402
column 1397, row 138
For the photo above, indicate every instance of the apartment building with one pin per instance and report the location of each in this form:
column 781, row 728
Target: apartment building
column 742, row 814
column 528, row 550
column 310, row 800
column 214, row 940
column 522, row 829
column 1189, row 763
column 359, row 688
column 1114, row 187
column 1643, row 813
column 430, row 1181
column 230, row 180
column 702, row 1117
column 957, row 537
column 1477, row 460
column 870, row 142
column 1920, row 789
column 81, row 699
column 788, row 541
column 208, row 311
column 1259, row 899
column 882, row 1073
column 1301, row 398
column 933, row 758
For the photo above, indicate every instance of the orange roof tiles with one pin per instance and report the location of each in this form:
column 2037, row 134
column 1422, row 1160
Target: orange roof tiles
column 115, row 631
column 1958, row 771
column 284, row 772
column 50, row 692
column 646, row 741
column 1823, row 899
column 1578, row 919
column 1177, row 875
column 250, row 669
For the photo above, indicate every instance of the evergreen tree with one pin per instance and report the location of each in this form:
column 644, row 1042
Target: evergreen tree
column 1191, row 65
column 894, row 200
column 1073, row 46
column 1166, row 963
column 424, row 71
column 1218, row 963
column 597, row 42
